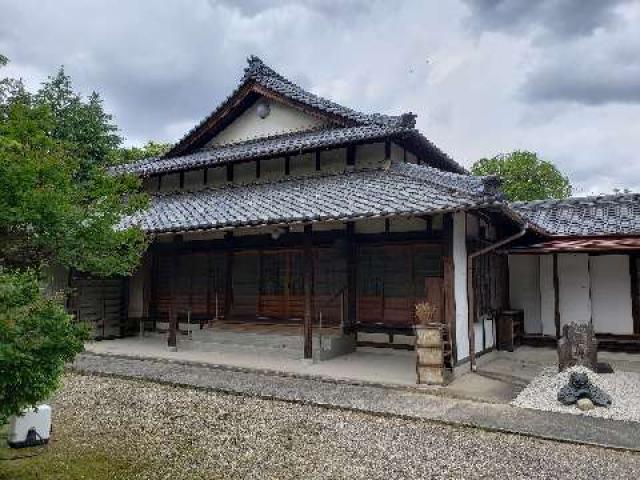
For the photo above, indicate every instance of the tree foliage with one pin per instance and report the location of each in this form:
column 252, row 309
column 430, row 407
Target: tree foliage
column 133, row 154
column 37, row 337
column 525, row 177
column 58, row 206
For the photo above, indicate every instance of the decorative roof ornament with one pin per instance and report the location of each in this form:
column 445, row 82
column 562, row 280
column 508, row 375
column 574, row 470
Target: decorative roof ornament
column 408, row 120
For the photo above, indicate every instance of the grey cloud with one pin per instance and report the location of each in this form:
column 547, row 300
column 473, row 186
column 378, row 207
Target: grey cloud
column 596, row 70
column 561, row 18
column 163, row 66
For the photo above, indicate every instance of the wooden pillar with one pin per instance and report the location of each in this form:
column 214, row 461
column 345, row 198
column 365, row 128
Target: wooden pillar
column 471, row 300
column 228, row 272
column 556, row 296
column 635, row 293
column 352, row 278
column 448, row 282
column 172, row 341
column 308, row 293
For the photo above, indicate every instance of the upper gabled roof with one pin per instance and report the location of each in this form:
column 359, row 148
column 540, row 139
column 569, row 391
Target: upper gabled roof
column 285, row 144
column 585, row 216
column 259, row 79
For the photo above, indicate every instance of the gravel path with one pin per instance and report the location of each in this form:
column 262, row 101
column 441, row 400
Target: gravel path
column 623, row 387
column 385, row 401
column 183, row 433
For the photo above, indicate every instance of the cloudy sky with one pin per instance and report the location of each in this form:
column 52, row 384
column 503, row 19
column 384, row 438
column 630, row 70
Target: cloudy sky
column 560, row 77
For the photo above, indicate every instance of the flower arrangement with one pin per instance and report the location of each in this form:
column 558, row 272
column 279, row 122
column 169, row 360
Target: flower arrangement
column 425, row 313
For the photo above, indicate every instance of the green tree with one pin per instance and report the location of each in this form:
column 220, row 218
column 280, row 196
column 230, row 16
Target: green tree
column 82, row 125
column 37, row 337
column 133, row 154
column 524, row 176
column 58, row 206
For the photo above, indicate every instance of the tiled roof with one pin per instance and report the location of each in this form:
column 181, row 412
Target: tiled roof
column 358, row 127
column 585, row 216
column 290, row 143
column 402, row 189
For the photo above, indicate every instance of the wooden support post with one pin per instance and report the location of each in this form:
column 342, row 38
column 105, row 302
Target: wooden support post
column 228, row 287
column 635, row 293
column 172, row 341
column 308, row 293
column 556, row 296
column 471, row 300
column 352, row 278
column 448, row 272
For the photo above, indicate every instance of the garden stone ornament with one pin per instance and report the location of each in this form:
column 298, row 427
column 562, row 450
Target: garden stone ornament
column 579, row 387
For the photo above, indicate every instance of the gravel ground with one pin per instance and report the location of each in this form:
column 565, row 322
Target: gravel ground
column 189, row 434
column 623, row 387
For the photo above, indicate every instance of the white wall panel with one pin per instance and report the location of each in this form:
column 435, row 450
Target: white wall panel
column 460, row 284
column 573, row 276
column 611, row 294
column 547, row 296
column 524, row 290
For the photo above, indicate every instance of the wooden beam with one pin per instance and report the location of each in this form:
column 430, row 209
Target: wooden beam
column 258, row 168
column 635, row 293
column 287, row 165
column 308, row 293
column 229, row 172
column 556, row 295
column 318, row 165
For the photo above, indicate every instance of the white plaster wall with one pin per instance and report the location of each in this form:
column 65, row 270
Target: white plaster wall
column 272, row 169
column 573, row 276
column 328, row 226
column 370, row 225
column 150, row 184
column 281, row 119
column 397, row 153
column 369, row 155
column 460, row 285
column 524, row 290
column 304, row 164
column 170, row 182
column 245, row 172
column 478, row 337
column 217, row 176
column 334, row 160
column 407, row 224
column 194, row 179
column 437, row 222
column 611, row 294
column 489, row 337
column 547, row 296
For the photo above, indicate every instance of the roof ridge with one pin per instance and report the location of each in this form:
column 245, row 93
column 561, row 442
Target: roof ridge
column 487, row 183
column 256, row 69
column 570, row 201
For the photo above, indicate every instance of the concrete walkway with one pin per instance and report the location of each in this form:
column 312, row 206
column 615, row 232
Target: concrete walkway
column 402, row 402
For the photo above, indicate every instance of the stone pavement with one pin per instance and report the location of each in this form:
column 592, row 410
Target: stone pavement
column 401, row 402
